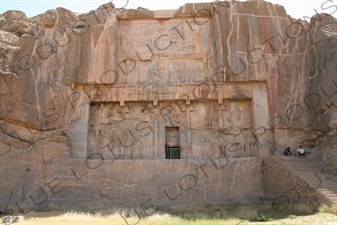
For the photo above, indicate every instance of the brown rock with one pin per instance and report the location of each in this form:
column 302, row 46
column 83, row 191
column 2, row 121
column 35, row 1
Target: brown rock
column 49, row 18
column 135, row 14
column 195, row 10
column 2, row 18
column 18, row 27
column 14, row 14
column 107, row 6
column 66, row 17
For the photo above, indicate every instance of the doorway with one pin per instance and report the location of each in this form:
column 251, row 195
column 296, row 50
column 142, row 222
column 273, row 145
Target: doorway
column 172, row 143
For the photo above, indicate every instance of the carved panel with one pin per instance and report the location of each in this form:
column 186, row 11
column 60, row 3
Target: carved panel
column 140, row 130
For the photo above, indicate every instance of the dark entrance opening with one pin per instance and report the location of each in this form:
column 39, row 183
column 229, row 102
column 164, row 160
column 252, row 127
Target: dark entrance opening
column 172, row 143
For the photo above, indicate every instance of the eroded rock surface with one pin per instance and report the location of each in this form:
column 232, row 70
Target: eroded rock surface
column 92, row 105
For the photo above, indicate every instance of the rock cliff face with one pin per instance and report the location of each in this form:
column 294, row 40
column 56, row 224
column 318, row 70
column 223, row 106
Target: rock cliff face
column 92, row 105
column 322, row 89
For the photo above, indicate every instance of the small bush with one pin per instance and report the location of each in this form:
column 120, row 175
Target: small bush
column 328, row 209
column 304, row 208
column 245, row 213
column 262, row 218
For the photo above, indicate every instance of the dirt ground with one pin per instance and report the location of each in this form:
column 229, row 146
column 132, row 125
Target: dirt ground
column 209, row 215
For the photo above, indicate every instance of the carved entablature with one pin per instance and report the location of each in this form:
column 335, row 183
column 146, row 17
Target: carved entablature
column 203, row 91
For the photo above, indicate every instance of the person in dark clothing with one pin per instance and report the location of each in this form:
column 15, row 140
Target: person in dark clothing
column 287, row 152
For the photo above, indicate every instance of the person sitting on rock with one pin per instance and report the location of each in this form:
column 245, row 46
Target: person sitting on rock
column 301, row 152
column 287, row 152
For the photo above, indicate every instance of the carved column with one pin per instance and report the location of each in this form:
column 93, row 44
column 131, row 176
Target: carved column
column 122, row 111
column 155, row 138
column 79, row 129
column 188, row 109
column 220, row 108
column 261, row 118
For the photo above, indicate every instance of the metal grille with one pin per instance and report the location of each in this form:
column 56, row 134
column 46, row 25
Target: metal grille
column 172, row 152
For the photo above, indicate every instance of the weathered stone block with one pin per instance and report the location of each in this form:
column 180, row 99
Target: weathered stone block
column 79, row 131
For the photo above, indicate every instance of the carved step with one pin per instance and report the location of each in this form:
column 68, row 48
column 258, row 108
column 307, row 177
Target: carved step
column 307, row 168
column 331, row 186
column 327, row 190
column 328, row 194
column 323, row 184
column 314, row 178
column 323, row 177
column 323, row 180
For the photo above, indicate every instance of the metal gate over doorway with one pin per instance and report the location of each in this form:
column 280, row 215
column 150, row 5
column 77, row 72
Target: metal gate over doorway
column 172, row 143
